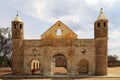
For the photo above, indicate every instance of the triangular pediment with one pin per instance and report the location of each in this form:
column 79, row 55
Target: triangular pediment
column 59, row 30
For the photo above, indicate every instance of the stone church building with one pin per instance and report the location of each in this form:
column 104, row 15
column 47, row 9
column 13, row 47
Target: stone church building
column 59, row 48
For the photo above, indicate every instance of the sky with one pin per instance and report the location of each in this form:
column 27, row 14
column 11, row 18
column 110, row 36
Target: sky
column 78, row 15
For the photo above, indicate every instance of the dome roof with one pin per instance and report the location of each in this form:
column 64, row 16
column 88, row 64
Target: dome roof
column 101, row 15
column 17, row 18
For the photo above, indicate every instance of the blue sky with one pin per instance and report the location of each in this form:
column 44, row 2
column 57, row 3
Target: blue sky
column 78, row 15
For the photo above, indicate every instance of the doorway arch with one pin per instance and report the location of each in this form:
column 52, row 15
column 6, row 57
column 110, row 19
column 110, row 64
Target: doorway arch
column 59, row 65
column 83, row 66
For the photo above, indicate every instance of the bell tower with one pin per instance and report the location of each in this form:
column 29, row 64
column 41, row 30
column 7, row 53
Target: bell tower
column 101, row 44
column 17, row 46
column 17, row 28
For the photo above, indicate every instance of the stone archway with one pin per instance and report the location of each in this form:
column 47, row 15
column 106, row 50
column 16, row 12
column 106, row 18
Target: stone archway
column 59, row 65
column 83, row 66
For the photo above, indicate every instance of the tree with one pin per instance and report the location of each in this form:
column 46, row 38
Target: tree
column 112, row 59
column 5, row 46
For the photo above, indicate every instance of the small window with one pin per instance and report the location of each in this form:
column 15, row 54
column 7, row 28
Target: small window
column 35, row 65
column 83, row 51
column 98, row 24
column 59, row 32
column 34, row 51
column 14, row 26
column 104, row 24
column 20, row 26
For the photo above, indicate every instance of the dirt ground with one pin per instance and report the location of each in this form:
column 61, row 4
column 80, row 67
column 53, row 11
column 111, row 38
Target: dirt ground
column 113, row 72
column 4, row 71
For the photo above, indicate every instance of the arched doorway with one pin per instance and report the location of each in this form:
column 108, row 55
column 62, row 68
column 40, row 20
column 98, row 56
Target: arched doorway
column 83, row 67
column 35, row 67
column 59, row 65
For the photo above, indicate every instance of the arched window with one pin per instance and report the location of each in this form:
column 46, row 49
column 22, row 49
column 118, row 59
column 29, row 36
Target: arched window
column 35, row 64
column 14, row 26
column 98, row 25
column 20, row 26
column 59, row 32
column 104, row 24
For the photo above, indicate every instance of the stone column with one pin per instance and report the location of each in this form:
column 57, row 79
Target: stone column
column 47, row 67
column 44, row 67
column 68, row 68
column 72, row 66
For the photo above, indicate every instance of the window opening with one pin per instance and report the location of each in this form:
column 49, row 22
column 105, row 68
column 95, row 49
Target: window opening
column 104, row 24
column 20, row 26
column 14, row 26
column 98, row 25
column 59, row 32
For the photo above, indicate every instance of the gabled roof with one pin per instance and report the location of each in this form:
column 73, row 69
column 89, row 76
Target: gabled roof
column 54, row 26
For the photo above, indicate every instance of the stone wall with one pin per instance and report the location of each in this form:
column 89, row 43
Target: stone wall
column 72, row 50
column 17, row 57
column 101, row 56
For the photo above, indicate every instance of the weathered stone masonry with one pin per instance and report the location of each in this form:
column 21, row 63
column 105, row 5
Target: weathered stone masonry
column 60, row 47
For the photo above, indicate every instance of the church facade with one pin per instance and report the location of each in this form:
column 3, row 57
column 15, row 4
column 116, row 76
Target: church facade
column 59, row 47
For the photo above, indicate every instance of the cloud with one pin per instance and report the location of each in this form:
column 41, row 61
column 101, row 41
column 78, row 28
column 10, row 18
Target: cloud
column 115, row 45
column 78, row 15
column 111, row 3
column 114, row 42
column 96, row 4
column 114, row 34
column 50, row 11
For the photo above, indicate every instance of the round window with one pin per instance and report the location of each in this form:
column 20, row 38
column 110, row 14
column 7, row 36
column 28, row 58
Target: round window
column 83, row 51
column 34, row 51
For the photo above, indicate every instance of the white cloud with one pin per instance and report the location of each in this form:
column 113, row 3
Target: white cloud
column 114, row 42
column 96, row 4
column 38, row 9
column 70, row 18
column 27, row 37
column 113, row 45
column 109, row 2
column 83, row 34
column 114, row 34
column 91, row 2
column 79, row 15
